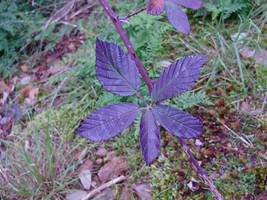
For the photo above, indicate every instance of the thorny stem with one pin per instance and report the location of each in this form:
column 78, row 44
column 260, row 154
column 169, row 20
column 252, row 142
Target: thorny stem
column 132, row 14
column 149, row 83
column 116, row 21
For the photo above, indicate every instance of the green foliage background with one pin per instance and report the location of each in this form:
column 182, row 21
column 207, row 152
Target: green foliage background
column 21, row 31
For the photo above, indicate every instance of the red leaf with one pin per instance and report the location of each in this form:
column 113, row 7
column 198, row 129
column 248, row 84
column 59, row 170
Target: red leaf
column 178, row 77
column 177, row 122
column 155, row 7
column 108, row 121
column 194, row 4
column 115, row 70
column 177, row 17
column 149, row 137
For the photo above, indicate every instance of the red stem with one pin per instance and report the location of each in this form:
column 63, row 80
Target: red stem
column 132, row 14
column 149, row 83
column 116, row 21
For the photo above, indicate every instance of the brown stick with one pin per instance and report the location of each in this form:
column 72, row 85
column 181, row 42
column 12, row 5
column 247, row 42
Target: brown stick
column 102, row 187
column 199, row 170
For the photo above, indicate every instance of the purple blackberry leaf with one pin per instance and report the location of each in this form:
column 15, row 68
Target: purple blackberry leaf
column 155, row 7
column 178, row 77
column 177, row 122
column 108, row 121
column 115, row 70
column 177, row 17
column 194, row 4
column 149, row 137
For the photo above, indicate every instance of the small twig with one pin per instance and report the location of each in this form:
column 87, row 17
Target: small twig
column 102, row 187
column 199, row 171
column 61, row 13
column 5, row 178
column 69, row 24
column 189, row 46
column 132, row 14
column 214, row 43
column 82, row 10
column 246, row 141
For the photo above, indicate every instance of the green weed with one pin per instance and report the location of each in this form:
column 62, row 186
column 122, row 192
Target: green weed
column 21, row 33
column 39, row 162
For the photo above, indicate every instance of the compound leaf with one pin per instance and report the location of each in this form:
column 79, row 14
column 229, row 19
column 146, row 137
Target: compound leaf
column 177, row 17
column 108, row 121
column 177, row 122
column 149, row 137
column 178, row 77
column 194, row 4
column 115, row 70
column 155, row 7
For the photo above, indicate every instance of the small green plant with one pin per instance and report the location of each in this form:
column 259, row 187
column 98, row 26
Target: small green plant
column 39, row 162
column 223, row 9
column 21, row 31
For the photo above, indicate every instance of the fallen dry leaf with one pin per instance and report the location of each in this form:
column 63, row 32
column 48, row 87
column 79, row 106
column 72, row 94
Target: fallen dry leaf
column 163, row 63
column 4, row 87
column 27, row 145
column 24, row 68
column 247, row 52
column 81, row 154
column 87, row 165
column 198, row 142
column 112, row 169
column 57, row 70
column 259, row 55
column 33, row 92
column 143, row 191
column 110, row 155
column 76, row 195
column 31, row 100
column 107, row 194
column 99, row 161
column 4, row 98
column 85, row 177
column 125, row 194
column 25, row 80
column 101, row 152
column 25, row 91
column 193, row 185
column 245, row 107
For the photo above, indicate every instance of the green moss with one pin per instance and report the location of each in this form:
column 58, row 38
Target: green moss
column 63, row 120
column 261, row 77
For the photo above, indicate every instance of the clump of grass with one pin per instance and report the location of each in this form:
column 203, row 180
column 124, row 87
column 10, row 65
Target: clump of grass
column 39, row 162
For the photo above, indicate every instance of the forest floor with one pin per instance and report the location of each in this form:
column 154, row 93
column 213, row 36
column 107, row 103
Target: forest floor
column 47, row 98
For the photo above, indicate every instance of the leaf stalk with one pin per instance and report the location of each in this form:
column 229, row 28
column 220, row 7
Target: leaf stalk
column 132, row 14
